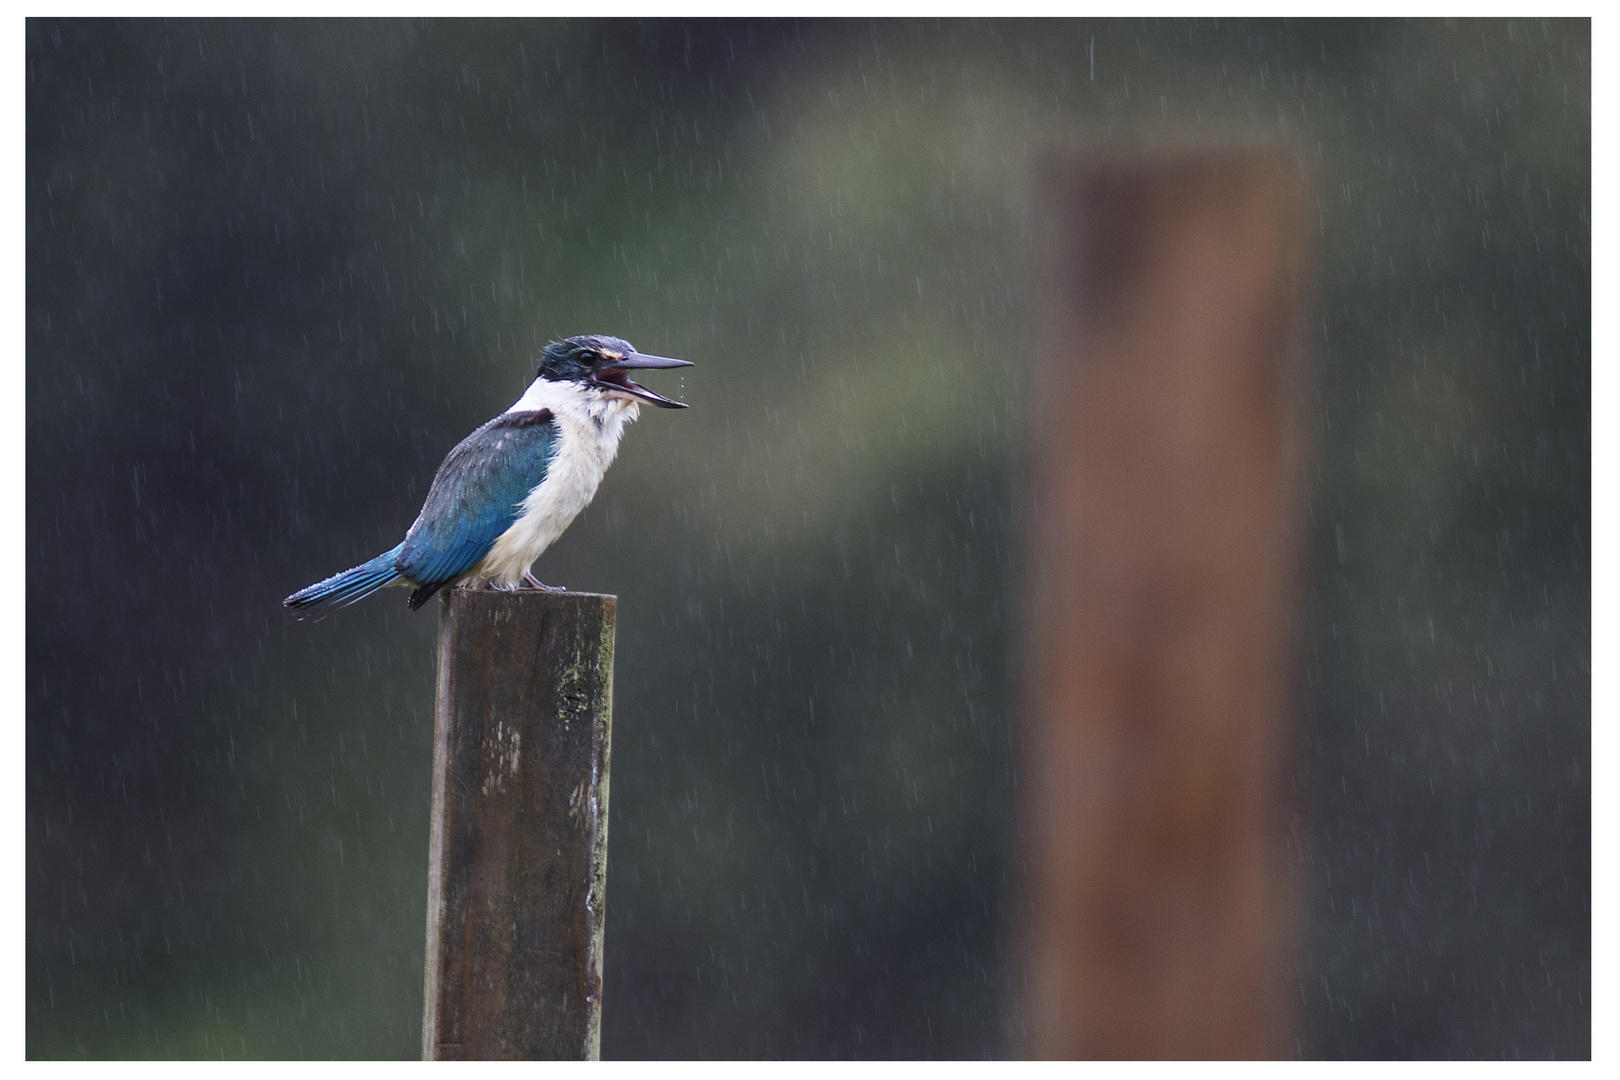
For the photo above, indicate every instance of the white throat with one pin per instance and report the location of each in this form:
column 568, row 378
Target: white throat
column 599, row 408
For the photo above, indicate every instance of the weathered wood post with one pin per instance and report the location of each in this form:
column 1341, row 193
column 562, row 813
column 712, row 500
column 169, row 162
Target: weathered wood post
column 1162, row 635
column 517, row 866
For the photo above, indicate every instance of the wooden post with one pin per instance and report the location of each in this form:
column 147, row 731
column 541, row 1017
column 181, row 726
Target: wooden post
column 517, row 867
column 1164, row 545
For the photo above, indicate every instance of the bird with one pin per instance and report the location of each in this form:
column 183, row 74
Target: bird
column 511, row 488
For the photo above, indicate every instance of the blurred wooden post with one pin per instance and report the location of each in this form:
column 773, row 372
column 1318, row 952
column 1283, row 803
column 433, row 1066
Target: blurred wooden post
column 518, row 853
column 1165, row 536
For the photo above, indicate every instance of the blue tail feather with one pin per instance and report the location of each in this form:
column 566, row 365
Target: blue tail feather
column 349, row 586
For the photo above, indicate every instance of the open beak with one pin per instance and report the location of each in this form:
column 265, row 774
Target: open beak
column 614, row 374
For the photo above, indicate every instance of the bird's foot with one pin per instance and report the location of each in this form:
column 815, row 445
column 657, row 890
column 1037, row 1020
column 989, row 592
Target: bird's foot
column 536, row 583
column 502, row 586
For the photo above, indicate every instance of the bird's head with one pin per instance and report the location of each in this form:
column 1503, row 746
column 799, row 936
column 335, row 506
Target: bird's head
column 602, row 364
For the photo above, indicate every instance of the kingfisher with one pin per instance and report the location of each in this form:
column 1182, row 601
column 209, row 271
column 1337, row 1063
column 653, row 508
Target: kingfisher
column 510, row 488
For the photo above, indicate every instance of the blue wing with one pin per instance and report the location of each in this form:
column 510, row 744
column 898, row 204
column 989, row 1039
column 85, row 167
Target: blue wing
column 475, row 497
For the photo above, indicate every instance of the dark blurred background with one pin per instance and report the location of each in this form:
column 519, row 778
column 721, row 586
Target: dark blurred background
column 275, row 270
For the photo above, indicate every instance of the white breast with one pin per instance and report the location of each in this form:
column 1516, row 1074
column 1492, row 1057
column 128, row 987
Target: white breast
column 590, row 427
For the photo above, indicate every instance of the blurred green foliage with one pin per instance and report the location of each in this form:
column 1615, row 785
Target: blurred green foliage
column 277, row 269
